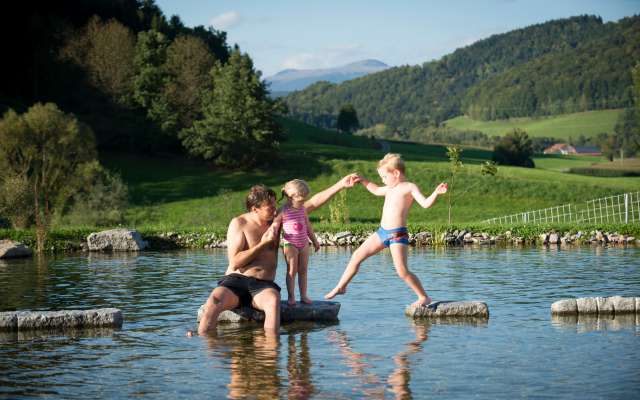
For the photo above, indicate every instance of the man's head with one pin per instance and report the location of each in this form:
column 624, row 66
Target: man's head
column 262, row 200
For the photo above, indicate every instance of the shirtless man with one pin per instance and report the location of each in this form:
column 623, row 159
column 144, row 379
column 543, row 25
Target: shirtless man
column 252, row 244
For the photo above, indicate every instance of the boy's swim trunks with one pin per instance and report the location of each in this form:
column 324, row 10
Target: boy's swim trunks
column 393, row 236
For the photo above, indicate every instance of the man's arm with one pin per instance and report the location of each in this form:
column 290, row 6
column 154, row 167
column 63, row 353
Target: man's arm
column 238, row 250
column 426, row 202
column 322, row 197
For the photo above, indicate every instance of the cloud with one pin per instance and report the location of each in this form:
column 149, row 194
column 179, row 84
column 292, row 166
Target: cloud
column 326, row 57
column 226, row 20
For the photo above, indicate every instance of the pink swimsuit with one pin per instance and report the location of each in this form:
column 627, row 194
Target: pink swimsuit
column 294, row 226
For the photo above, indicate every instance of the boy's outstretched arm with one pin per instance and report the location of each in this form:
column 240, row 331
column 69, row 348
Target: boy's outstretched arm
column 322, row 197
column 373, row 188
column 426, row 202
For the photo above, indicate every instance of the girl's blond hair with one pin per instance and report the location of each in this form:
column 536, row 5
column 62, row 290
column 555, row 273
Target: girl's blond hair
column 392, row 161
column 298, row 186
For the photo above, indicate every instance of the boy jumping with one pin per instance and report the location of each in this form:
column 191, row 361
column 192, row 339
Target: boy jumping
column 399, row 195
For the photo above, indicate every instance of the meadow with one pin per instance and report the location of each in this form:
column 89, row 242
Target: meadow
column 180, row 194
column 565, row 126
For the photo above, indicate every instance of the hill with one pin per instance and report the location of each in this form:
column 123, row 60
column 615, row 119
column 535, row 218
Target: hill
column 175, row 193
column 402, row 98
column 297, row 79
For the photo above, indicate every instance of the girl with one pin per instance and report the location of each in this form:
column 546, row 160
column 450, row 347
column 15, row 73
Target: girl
column 296, row 233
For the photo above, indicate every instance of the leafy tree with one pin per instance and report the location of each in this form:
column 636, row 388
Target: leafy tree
column 454, row 154
column 347, row 119
column 515, row 148
column 238, row 127
column 43, row 149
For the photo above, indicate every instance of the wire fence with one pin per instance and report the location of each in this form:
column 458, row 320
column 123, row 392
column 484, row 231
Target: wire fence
column 620, row 208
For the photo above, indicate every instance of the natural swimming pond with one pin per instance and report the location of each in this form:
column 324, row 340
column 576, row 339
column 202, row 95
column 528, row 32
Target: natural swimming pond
column 373, row 352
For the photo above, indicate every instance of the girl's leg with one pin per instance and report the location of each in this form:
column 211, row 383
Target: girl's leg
column 399, row 255
column 303, row 264
column 291, row 257
column 371, row 246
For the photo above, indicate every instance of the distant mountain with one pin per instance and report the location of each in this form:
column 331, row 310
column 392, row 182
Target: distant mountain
column 298, row 79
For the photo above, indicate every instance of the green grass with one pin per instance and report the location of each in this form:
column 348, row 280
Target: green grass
column 564, row 126
column 178, row 194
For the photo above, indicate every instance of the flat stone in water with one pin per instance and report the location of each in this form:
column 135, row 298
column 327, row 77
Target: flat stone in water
column 25, row 320
column 316, row 311
column 449, row 309
column 614, row 305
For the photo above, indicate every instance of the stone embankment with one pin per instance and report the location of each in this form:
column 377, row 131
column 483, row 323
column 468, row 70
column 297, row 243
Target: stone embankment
column 615, row 305
column 65, row 319
column 325, row 311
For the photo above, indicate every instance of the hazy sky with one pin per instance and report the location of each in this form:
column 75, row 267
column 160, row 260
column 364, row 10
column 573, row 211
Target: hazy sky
column 304, row 34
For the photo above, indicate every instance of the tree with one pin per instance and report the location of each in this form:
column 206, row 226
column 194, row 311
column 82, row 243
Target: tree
column 42, row 150
column 515, row 148
column 238, row 127
column 347, row 119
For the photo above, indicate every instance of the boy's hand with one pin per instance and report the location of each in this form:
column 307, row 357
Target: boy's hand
column 442, row 188
column 350, row 180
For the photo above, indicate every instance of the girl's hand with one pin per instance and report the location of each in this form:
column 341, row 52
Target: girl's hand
column 316, row 246
column 442, row 188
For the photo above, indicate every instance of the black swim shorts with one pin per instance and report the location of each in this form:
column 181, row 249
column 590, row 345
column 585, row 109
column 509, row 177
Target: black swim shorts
column 245, row 287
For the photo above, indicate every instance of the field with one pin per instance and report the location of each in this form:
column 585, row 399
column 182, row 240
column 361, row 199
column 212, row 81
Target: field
column 564, row 126
column 179, row 194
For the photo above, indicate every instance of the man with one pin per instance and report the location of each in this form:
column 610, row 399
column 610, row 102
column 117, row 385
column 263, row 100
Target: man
column 252, row 248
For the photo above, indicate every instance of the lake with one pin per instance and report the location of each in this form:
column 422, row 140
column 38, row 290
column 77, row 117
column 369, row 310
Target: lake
column 374, row 351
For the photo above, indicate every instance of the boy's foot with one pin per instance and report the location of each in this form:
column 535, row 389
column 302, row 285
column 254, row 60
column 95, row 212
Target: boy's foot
column 336, row 291
column 291, row 302
column 422, row 302
column 306, row 300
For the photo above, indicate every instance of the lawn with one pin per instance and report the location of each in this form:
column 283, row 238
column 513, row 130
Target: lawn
column 565, row 126
column 174, row 193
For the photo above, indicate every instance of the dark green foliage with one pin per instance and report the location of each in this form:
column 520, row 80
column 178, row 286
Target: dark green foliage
column 543, row 69
column 238, row 128
column 347, row 119
column 515, row 148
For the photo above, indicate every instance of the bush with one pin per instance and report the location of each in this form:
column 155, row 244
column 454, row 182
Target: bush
column 515, row 148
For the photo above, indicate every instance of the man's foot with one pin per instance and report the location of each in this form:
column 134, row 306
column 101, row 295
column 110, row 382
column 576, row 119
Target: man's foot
column 291, row 302
column 422, row 302
column 305, row 300
column 336, row 291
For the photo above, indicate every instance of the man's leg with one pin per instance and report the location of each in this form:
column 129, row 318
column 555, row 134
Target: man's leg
column 399, row 255
column 221, row 299
column 291, row 257
column 268, row 300
column 371, row 246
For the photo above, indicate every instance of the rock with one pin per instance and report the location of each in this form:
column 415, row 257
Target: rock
column 316, row 311
column 554, row 238
column 564, row 307
column 605, row 305
column 448, row 309
column 341, row 235
column 615, row 305
column 12, row 249
column 623, row 305
column 587, row 305
column 23, row 320
column 116, row 240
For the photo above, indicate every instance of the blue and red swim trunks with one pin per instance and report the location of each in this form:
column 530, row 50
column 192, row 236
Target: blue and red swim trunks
column 393, row 236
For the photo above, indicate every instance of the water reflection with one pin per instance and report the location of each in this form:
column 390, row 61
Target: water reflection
column 590, row 323
column 52, row 334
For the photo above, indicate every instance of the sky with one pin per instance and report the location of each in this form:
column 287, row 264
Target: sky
column 310, row 34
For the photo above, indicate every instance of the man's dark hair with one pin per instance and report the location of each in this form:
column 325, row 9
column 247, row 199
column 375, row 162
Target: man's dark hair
column 258, row 195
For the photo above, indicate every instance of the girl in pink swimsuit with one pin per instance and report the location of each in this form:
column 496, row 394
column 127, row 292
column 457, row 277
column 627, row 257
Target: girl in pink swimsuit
column 296, row 233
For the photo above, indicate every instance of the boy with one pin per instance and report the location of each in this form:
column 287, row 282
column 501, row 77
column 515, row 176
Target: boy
column 399, row 195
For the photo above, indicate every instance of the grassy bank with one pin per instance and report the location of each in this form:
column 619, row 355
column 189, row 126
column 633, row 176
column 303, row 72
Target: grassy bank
column 564, row 126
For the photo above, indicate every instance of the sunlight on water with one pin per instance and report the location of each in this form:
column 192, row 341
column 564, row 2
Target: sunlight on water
column 373, row 352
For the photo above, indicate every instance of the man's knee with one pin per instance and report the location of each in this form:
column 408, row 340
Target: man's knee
column 268, row 300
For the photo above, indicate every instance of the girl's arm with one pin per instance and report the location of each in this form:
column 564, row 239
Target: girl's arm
column 373, row 188
column 426, row 202
column 312, row 235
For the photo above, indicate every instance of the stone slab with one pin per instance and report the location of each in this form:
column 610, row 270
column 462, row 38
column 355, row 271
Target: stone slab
column 116, row 240
column 449, row 309
column 13, row 249
column 615, row 305
column 65, row 319
column 316, row 311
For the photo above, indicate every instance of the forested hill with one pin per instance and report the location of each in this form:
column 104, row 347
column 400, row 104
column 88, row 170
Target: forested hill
column 560, row 66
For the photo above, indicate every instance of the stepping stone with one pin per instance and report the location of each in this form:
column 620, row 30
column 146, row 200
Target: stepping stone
column 596, row 306
column 25, row 320
column 316, row 311
column 13, row 249
column 448, row 309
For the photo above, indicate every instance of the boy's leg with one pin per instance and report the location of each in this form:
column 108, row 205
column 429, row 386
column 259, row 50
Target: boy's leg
column 399, row 255
column 303, row 267
column 268, row 300
column 221, row 299
column 371, row 246
column 291, row 257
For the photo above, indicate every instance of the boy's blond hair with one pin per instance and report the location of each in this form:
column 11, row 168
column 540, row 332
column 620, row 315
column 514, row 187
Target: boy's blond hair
column 297, row 185
column 392, row 161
